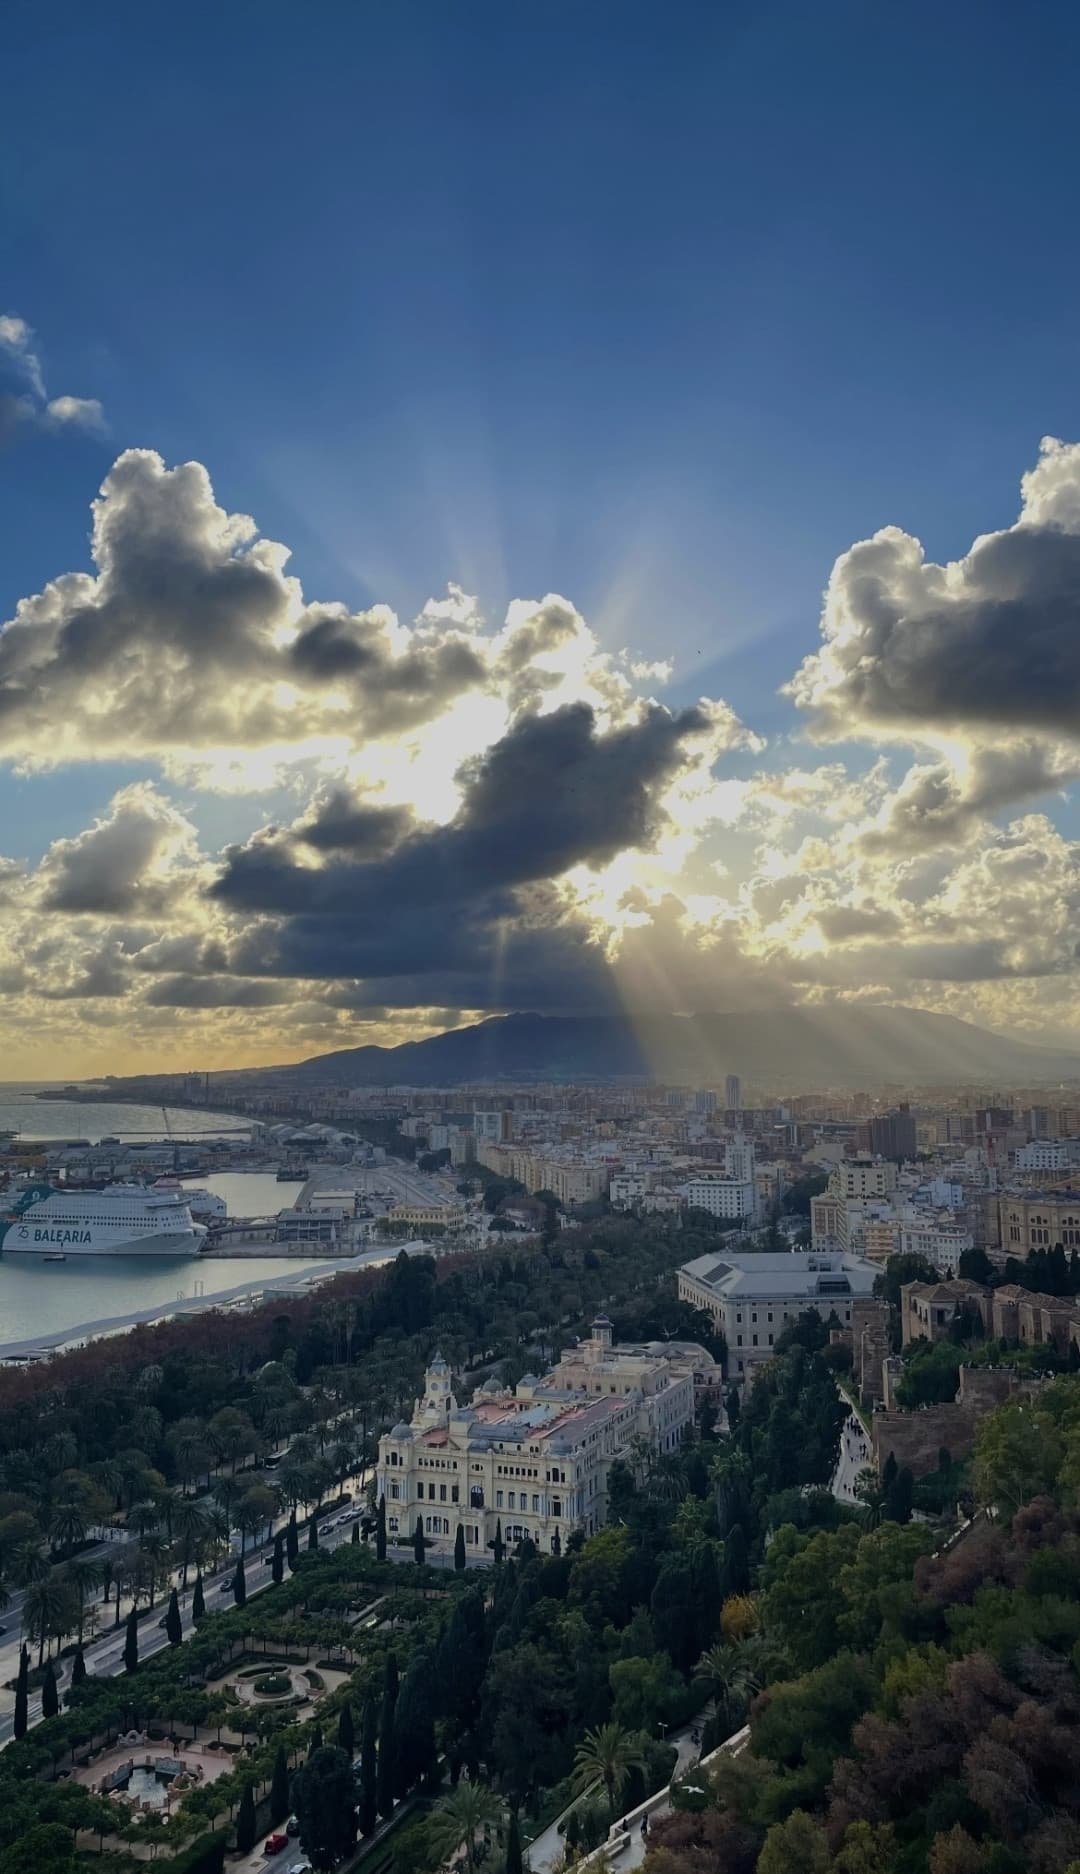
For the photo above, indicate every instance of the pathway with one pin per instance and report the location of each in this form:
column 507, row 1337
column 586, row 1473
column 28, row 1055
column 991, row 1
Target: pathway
column 550, row 1846
column 855, row 1455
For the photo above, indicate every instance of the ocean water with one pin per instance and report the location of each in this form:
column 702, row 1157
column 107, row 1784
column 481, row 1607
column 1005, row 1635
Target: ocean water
column 73, row 1119
column 46, row 1298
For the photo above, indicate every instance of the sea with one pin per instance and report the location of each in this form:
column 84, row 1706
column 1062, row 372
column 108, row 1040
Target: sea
column 47, row 1298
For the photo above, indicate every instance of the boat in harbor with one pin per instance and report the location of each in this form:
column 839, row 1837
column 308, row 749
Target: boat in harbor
column 121, row 1220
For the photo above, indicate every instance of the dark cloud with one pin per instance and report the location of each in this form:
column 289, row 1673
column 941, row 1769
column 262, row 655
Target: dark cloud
column 992, row 641
column 215, row 992
column 337, row 822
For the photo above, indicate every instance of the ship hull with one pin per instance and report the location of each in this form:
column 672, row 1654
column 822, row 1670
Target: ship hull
column 161, row 1245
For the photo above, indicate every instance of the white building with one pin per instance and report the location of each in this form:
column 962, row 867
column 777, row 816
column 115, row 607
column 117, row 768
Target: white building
column 733, row 1198
column 534, row 1462
column 733, row 1093
column 492, row 1126
column 1048, row 1155
column 627, row 1188
column 941, row 1240
column 751, row 1298
column 864, row 1177
column 739, row 1158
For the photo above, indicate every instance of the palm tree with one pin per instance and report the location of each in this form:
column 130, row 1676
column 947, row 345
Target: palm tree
column 725, row 1670
column 606, row 1755
column 191, row 1526
column 85, row 1574
column 67, row 1524
column 29, row 1565
column 190, row 1449
column 48, row 1611
column 869, row 1490
column 143, row 1517
column 460, row 1818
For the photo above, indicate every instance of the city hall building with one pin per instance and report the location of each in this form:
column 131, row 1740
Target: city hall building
column 535, row 1460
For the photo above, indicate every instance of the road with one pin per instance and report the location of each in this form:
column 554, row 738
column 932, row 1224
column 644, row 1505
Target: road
column 855, row 1456
column 105, row 1654
column 550, row 1847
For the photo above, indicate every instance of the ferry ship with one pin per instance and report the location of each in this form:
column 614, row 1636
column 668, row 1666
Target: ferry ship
column 121, row 1220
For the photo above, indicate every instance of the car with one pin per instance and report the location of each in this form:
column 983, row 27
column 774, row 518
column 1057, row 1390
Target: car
column 299, row 1867
column 292, row 1826
column 275, row 1843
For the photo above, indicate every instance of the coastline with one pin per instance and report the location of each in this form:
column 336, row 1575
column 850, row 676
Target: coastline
column 198, row 1304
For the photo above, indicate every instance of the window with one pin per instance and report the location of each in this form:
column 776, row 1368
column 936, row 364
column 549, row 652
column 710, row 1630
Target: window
column 498, row 1499
column 442, row 1493
column 556, row 1506
column 536, row 1506
column 453, row 1493
column 395, row 1492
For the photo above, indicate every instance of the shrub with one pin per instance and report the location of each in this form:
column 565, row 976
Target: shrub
column 273, row 1684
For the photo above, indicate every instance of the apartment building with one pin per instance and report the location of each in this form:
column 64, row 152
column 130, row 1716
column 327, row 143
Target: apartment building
column 732, row 1198
column 858, row 1178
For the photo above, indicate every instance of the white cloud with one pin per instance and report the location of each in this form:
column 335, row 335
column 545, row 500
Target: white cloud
column 53, row 413
column 76, row 412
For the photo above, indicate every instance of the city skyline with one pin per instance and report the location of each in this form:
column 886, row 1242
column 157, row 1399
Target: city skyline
column 449, row 636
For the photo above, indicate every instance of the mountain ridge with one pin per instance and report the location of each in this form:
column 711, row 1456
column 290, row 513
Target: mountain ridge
column 833, row 1046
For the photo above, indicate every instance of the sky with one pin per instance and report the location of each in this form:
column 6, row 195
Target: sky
column 556, row 507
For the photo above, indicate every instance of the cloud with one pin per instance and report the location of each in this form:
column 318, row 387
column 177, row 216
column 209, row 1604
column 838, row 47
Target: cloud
column 131, row 862
column 191, row 643
column 18, row 346
column 17, row 341
column 913, row 650
column 76, row 412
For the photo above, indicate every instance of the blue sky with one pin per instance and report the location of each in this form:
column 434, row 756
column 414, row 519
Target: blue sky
column 658, row 307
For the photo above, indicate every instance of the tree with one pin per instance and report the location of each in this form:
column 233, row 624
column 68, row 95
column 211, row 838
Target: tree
column 313, row 1531
column 346, row 1733
column 497, row 1545
column 323, row 1798
column 380, row 1531
column 459, row 1548
column 418, row 1542
column 414, row 1726
column 279, row 1786
column 174, row 1626
column 513, row 1846
column 245, row 1821
column 78, row 1667
column 239, row 1583
column 355, row 1537
column 460, row 1818
column 797, row 1843
column 22, row 1685
column 387, row 1779
column 198, row 1599
column 369, row 1771
column 131, row 1643
column 277, row 1560
column 606, row 1755
column 50, row 1698
column 292, row 1542
column 723, row 1669
column 731, row 1401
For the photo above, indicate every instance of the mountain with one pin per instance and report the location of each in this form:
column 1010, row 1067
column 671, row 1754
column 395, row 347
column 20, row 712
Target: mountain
column 843, row 1045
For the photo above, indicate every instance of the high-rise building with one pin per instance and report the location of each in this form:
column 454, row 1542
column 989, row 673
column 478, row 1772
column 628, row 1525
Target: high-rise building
column 892, row 1135
column 733, row 1093
column 705, row 1100
column 493, row 1126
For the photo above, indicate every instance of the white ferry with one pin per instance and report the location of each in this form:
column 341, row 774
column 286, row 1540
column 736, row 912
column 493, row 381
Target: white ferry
column 121, row 1220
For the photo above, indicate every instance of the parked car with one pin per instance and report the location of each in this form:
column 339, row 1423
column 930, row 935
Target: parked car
column 275, row 1843
column 292, row 1826
column 300, row 1867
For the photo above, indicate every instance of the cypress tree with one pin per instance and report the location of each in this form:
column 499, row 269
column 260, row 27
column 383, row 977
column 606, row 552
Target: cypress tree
column 22, row 1686
column 414, row 1727
column 499, row 1551
column 277, row 1560
column 279, row 1787
column 198, row 1598
column 387, row 1773
column 239, row 1584
column 355, row 1537
column 459, row 1549
column 245, row 1821
column 78, row 1667
column 369, row 1769
column 174, row 1629
column 315, row 1741
column 346, row 1731
column 513, row 1845
column 50, row 1698
column 380, row 1531
column 418, row 1543
column 292, row 1541
column 131, row 1643
column 313, row 1533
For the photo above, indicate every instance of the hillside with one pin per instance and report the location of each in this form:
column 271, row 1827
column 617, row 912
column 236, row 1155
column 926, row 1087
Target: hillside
column 835, row 1046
